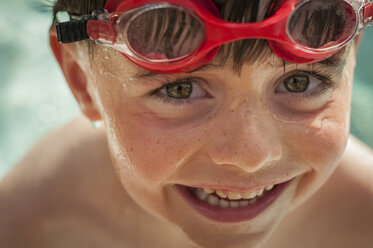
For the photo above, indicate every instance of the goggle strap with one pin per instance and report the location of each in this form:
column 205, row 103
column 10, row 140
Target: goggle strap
column 368, row 13
column 72, row 31
column 75, row 30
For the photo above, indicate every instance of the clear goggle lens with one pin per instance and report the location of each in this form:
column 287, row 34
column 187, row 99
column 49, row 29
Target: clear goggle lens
column 167, row 33
column 322, row 25
column 162, row 34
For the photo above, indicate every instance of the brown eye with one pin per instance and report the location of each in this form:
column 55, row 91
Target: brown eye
column 182, row 92
column 179, row 90
column 297, row 84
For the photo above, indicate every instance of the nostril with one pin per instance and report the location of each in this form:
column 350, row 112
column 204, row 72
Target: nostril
column 247, row 153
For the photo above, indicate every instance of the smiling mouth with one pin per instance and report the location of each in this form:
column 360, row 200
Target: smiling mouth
column 230, row 199
column 231, row 206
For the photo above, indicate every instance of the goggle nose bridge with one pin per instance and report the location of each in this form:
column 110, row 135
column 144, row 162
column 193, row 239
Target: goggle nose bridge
column 221, row 32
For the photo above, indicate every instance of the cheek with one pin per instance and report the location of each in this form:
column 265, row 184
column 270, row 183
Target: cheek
column 321, row 143
column 318, row 143
column 147, row 158
column 154, row 155
column 320, row 139
column 153, row 149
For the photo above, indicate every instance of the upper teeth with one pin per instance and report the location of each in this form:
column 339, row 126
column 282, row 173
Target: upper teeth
column 239, row 196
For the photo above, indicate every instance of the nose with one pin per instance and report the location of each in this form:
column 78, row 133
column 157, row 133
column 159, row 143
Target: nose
column 246, row 139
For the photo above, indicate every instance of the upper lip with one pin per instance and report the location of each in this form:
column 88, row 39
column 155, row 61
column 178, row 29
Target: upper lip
column 232, row 179
column 233, row 188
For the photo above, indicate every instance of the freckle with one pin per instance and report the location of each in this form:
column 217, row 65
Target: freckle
column 131, row 149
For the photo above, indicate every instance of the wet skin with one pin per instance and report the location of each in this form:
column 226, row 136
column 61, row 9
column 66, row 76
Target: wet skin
column 238, row 130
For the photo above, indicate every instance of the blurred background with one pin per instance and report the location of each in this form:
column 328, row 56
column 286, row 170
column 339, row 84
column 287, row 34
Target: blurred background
column 35, row 99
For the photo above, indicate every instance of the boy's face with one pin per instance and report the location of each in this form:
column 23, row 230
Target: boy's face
column 234, row 130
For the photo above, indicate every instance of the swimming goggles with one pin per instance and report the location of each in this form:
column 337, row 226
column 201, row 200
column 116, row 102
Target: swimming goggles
column 173, row 36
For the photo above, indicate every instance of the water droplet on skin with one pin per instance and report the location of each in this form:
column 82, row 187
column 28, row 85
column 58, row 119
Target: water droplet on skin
column 119, row 154
column 286, row 121
column 235, row 103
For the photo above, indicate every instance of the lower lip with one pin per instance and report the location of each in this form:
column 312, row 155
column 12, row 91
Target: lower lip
column 239, row 214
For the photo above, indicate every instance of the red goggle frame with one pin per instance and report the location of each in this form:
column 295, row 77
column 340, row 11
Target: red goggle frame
column 281, row 29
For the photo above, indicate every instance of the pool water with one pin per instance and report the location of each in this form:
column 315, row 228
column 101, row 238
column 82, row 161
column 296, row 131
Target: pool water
column 35, row 99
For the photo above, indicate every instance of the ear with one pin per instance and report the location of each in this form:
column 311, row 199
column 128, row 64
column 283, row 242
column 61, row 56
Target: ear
column 75, row 76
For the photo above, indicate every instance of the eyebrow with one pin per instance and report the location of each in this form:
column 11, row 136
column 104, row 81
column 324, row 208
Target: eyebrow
column 337, row 60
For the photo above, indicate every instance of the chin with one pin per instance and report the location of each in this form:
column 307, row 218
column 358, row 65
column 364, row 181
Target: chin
column 206, row 239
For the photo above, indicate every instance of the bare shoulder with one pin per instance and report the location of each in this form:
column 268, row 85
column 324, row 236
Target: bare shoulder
column 65, row 193
column 340, row 213
column 64, row 181
column 344, row 204
column 357, row 153
column 356, row 169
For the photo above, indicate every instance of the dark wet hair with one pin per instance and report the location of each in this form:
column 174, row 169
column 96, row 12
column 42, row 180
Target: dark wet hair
column 234, row 54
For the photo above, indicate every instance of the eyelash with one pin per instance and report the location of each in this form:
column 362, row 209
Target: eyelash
column 326, row 78
column 170, row 101
column 327, row 82
column 175, row 103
